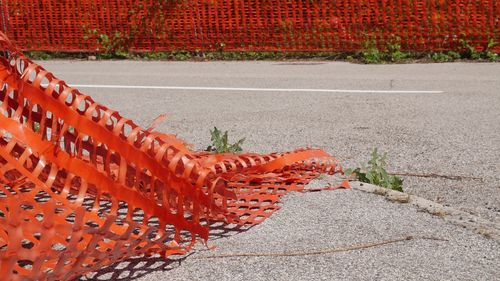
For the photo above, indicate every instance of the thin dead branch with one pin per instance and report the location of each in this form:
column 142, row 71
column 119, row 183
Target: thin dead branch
column 323, row 251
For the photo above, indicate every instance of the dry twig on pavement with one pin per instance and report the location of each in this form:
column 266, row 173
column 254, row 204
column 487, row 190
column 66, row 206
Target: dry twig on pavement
column 324, row 251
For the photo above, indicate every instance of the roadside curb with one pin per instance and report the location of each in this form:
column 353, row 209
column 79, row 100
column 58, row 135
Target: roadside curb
column 477, row 224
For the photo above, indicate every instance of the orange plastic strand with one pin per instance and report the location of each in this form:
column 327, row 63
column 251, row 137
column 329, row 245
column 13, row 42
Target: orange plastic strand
column 82, row 187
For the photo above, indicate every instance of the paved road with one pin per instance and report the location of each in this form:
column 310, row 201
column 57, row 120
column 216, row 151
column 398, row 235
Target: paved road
column 439, row 119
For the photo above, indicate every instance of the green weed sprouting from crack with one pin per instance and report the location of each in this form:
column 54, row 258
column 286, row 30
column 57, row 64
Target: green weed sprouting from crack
column 375, row 173
column 220, row 142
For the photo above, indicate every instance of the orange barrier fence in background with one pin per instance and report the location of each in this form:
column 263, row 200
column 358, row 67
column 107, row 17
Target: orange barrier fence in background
column 250, row 25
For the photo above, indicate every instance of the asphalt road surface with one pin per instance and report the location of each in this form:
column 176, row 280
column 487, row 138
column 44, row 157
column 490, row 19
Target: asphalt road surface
column 440, row 123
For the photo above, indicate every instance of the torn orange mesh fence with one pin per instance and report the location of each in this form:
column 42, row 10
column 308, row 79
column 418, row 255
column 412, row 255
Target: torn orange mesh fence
column 82, row 187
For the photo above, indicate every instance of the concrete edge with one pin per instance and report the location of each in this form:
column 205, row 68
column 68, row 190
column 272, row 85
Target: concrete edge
column 477, row 224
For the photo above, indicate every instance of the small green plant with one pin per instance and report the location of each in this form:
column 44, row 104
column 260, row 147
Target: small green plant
column 394, row 53
column 39, row 55
column 110, row 46
column 220, row 142
column 444, row 56
column 469, row 50
column 371, row 54
column 488, row 54
column 375, row 173
column 181, row 56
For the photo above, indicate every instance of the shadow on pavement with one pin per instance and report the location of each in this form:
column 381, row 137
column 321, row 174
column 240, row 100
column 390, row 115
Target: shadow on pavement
column 137, row 267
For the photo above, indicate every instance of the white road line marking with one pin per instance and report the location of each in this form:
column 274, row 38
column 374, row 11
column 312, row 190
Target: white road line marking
column 255, row 89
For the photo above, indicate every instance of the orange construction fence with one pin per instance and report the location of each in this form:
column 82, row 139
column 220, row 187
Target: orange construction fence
column 250, row 25
column 82, row 187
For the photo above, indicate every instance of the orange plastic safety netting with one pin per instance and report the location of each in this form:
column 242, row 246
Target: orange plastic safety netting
column 82, row 187
column 251, row 25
